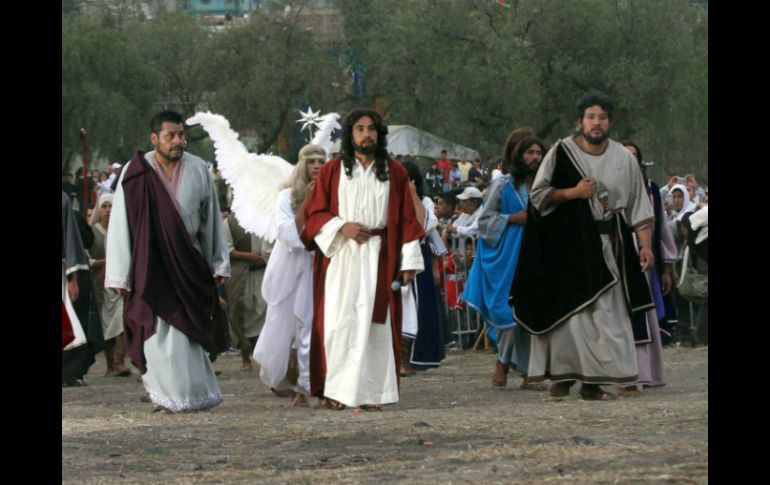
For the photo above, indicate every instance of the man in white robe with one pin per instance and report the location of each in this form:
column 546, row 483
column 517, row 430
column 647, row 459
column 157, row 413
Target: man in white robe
column 363, row 221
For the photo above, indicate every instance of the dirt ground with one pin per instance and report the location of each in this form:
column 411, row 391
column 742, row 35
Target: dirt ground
column 450, row 426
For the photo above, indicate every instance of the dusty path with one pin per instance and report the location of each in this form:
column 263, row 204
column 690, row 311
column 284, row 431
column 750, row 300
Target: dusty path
column 451, row 426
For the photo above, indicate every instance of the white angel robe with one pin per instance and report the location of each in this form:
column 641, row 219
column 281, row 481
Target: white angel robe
column 288, row 290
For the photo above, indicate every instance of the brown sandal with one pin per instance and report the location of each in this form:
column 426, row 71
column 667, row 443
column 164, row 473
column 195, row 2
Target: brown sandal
column 370, row 407
column 560, row 389
column 333, row 405
column 630, row 391
column 534, row 386
column 283, row 393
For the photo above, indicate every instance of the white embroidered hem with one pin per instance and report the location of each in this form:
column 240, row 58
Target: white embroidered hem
column 181, row 404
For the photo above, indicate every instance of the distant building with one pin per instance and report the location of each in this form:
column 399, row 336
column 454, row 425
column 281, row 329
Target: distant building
column 223, row 8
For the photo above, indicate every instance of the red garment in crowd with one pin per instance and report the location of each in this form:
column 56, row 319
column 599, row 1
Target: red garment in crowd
column 445, row 165
column 67, row 334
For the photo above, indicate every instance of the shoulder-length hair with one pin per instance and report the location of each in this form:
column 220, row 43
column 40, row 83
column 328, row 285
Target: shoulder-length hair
column 297, row 182
column 414, row 175
column 510, row 144
column 519, row 168
column 347, row 153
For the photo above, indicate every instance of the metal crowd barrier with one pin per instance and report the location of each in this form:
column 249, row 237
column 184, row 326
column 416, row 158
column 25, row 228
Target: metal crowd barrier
column 464, row 321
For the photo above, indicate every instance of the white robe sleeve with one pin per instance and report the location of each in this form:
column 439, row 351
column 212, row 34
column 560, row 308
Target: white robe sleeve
column 285, row 220
column 638, row 210
column 229, row 237
column 118, row 251
column 431, row 221
column 472, row 229
column 411, row 257
column 329, row 239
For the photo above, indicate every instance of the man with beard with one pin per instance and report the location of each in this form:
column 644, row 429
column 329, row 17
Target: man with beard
column 501, row 227
column 578, row 278
column 362, row 221
column 166, row 253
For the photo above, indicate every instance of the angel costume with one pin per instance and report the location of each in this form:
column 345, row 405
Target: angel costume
column 287, row 288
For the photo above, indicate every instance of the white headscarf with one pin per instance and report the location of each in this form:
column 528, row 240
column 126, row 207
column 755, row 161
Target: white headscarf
column 95, row 214
column 687, row 205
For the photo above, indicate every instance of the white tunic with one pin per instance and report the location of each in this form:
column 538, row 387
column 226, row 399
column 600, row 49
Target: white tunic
column 179, row 375
column 288, row 290
column 360, row 368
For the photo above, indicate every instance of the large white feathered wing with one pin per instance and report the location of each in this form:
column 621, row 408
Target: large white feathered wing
column 255, row 179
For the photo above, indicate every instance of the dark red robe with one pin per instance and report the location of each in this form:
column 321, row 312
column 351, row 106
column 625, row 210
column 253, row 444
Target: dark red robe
column 402, row 227
column 171, row 279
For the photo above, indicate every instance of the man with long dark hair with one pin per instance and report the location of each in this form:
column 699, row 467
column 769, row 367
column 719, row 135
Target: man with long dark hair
column 501, row 228
column 362, row 221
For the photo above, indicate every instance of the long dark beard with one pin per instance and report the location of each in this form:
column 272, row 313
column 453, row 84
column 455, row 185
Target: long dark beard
column 366, row 150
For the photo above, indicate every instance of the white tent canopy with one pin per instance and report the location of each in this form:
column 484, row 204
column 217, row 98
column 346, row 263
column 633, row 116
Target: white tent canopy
column 408, row 140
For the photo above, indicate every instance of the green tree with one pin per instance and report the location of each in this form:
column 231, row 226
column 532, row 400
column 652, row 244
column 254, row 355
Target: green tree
column 471, row 71
column 266, row 69
column 106, row 89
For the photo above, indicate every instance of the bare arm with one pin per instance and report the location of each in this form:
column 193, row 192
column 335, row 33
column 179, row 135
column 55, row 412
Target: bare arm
column 518, row 217
column 407, row 276
column 644, row 236
column 418, row 205
column 252, row 258
column 72, row 286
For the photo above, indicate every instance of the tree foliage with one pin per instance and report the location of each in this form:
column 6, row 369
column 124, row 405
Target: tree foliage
column 467, row 70
column 471, row 71
column 266, row 69
column 106, row 89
